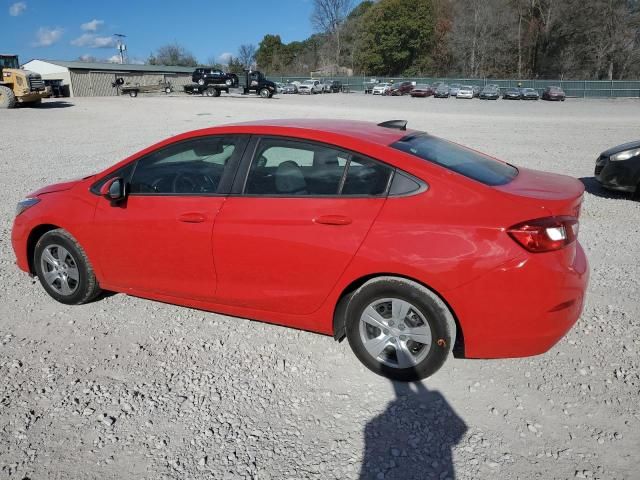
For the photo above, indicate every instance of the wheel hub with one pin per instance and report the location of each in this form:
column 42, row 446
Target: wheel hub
column 395, row 332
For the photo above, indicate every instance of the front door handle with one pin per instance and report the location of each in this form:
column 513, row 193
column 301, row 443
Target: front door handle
column 192, row 217
column 332, row 220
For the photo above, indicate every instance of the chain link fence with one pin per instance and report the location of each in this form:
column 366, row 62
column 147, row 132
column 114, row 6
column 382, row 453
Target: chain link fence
column 573, row 88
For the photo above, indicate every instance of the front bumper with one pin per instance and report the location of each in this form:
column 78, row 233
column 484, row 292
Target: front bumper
column 523, row 307
column 622, row 176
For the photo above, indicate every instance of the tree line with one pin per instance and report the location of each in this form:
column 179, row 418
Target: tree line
column 565, row 39
column 557, row 39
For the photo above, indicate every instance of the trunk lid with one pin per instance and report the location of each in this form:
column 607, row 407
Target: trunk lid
column 556, row 194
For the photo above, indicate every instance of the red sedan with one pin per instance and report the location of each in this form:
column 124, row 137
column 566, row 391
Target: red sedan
column 406, row 244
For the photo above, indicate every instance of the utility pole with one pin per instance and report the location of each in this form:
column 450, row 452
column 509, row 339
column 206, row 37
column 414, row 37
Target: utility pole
column 120, row 46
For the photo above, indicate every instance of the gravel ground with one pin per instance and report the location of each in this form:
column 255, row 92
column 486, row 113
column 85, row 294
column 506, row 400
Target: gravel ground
column 130, row 388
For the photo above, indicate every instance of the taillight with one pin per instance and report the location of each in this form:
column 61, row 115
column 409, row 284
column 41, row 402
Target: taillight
column 545, row 234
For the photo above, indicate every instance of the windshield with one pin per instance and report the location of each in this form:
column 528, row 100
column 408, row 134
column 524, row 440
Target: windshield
column 9, row 62
column 462, row 160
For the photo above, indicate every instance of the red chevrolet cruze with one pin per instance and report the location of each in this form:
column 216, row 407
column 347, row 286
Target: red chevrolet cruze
column 406, row 244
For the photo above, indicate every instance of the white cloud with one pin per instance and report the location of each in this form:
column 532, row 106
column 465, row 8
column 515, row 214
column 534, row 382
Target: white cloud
column 114, row 59
column 225, row 57
column 92, row 26
column 17, row 9
column 45, row 36
column 93, row 41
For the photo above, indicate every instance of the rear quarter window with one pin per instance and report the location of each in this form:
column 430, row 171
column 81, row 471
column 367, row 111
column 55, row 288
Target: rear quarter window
column 457, row 158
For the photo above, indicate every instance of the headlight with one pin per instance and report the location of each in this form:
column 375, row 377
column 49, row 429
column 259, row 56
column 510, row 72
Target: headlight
column 626, row 155
column 25, row 204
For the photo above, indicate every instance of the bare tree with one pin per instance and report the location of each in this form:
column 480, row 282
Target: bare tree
column 328, row 16
column 173, row 54
column 247, row 54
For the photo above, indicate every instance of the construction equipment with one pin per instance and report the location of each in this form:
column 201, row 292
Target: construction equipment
column 17, row 85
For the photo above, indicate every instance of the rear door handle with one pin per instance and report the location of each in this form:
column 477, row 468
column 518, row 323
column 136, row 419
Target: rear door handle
column 332, row 220
column 192, row 217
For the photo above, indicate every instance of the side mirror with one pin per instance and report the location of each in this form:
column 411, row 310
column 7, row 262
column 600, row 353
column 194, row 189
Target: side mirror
column 114, row 190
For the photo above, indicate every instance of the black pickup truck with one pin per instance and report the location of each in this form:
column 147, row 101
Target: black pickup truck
column 212, row 76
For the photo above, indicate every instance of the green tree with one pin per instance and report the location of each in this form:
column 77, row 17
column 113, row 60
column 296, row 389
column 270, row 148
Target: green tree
column 269, row 53
column 397, row 37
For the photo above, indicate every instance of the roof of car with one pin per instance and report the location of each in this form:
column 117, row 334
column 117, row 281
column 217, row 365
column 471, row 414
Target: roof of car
column 367, row 131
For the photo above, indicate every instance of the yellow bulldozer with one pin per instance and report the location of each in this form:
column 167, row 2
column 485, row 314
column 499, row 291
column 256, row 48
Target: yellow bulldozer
column 17, row 85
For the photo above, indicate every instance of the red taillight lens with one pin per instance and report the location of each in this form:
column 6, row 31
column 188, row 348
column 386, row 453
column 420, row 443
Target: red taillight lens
column 545, row 234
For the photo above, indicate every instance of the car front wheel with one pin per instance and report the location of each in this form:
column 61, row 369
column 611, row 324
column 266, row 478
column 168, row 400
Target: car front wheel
column 399, row 329
column 64, row 269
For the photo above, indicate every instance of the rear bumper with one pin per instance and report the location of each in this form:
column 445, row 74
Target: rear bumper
column 522, row 308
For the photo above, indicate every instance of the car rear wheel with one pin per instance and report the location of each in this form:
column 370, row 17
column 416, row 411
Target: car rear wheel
column 64, row 269
column 399, row 329
column 264, row 93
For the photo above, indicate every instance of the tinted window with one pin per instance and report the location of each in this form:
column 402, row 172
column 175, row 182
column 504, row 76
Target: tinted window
column 290, row 167
column 286, row 167
column 192, row 167
column 366, row 177
column 457, row 158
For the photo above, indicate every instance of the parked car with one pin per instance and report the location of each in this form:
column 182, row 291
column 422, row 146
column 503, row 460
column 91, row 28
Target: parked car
column 512, row 94
column 476, row 90
column 325, row 87
column 279, row 87
column 310, row 87
column 402, row 88
column 453, row 90
column 421, row 90
column 465, row 91
column 442, row 91
column 554, row 93
column 489, row 92
column 530, row 94
column 290, row 88
column 437, row 247
column 207, row 76
column 381, row 89
column 335, row 86
column 618, row 168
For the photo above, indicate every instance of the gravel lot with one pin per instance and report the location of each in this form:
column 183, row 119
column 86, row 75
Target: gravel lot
column 130, row 388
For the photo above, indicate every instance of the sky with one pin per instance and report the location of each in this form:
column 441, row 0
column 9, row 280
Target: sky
column 70, row 29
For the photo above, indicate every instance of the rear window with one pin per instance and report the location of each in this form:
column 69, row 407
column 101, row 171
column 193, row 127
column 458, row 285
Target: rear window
column 454, row 157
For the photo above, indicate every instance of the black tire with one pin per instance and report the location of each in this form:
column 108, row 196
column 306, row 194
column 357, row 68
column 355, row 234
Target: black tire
column 86, row 287
column 133, row 93
column 435, row 314
column 7, row 97
column 201, row 82
column 264, row 93
column 228, row 82
column 167, row 90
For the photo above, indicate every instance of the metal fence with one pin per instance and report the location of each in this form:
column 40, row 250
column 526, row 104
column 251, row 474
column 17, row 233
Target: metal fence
column 573, row 88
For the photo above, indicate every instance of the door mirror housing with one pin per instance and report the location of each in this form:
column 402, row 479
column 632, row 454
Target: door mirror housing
column 114, row 189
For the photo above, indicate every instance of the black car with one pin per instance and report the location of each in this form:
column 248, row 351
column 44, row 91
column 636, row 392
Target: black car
column 335, row 86
column 490, row 92
column 442, row 91
column 619, row 168
column 512, row 94
column 553, row 93
column 530, row 94
column 208, row 76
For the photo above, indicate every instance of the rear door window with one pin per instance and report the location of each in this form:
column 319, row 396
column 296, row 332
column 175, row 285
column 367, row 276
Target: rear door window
column 457, row 158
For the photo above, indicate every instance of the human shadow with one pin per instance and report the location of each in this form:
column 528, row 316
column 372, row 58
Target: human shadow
column 413, row 438
column 592, row 186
